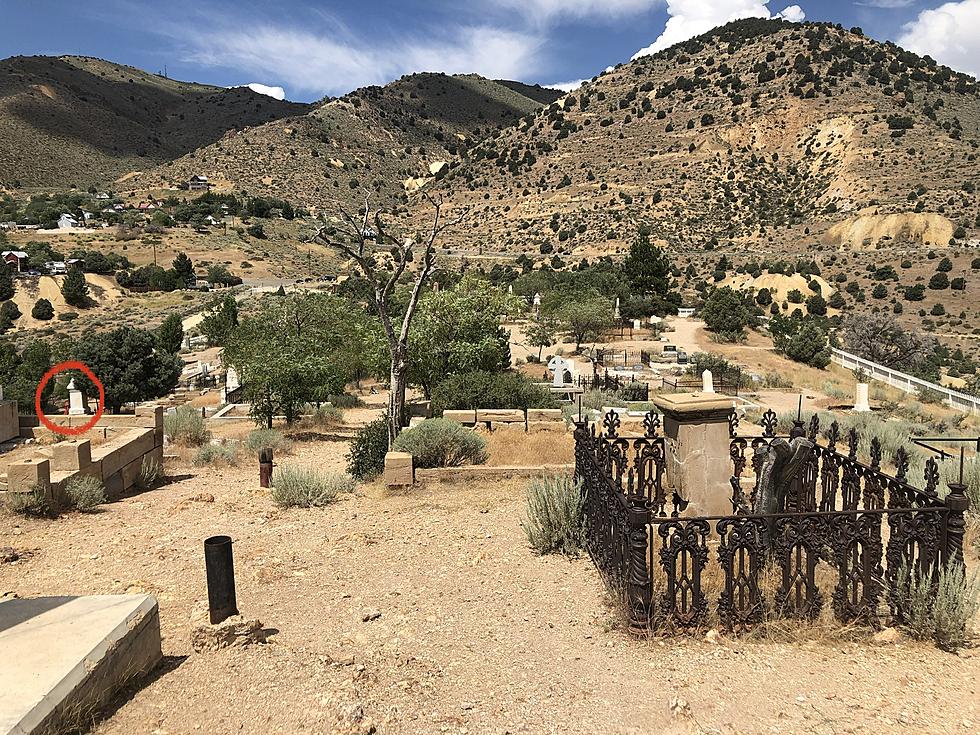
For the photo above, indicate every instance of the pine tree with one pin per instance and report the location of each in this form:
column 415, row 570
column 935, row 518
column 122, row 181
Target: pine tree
column 184, row 268
column 42, row 310
column 75, row 288
column 171, row 334
column 647, row 270
column 6, row 283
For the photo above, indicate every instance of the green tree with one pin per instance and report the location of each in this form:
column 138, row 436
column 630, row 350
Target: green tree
column 42, row 310
column 184, row 268
column 6, row 283
column 542, row 333
column 764, row 297
column 583, row 315
column 21, row 373
column 725, row 314
column 801, row 339
column 647, row 270
column 939, row 281
column 75, row 288
column 9, row 313
column 221, row 321
column 458, row 330
column 296, row 350
column 816, row 305
column 170, row 335
column 129, row 365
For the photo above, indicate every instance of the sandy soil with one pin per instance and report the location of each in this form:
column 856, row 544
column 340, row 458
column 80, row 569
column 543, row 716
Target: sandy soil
column 476, row 634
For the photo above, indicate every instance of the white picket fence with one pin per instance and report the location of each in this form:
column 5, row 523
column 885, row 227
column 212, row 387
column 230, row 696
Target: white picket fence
column 904, row 381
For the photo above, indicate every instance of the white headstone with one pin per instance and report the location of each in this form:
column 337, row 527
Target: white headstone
column 76, row 401
column 1, row 392
column 861, row 404
column 616, row 310
column 537, row 299
column 232, row 380
column 636, row 323
column 510, row 290
column 707, row 382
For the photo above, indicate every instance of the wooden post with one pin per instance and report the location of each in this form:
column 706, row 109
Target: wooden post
column 265, row 467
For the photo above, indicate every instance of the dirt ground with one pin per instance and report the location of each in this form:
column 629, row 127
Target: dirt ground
column 427, row 612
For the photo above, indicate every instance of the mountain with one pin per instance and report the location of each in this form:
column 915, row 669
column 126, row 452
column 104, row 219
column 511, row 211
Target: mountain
column 388, row 140
column 78, row 120
column 759, row 132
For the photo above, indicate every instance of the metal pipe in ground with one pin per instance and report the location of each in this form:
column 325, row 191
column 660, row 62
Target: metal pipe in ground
column 265, row 467
column 220, row 566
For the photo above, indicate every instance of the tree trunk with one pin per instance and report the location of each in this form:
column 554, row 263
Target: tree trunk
column 396, row 399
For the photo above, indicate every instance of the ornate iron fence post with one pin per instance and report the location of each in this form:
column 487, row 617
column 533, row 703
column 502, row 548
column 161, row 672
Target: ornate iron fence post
column 957, row 503
column 638, row 590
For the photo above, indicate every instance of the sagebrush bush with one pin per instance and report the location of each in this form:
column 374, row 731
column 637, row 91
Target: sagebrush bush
column 150, row 473
column 268, row 439
column 85, row 493
column 32, row 503
column 442, row 443
column 554, row 515
column 186, row 427
column 366, row 458
column 938, row 606
column 217, row 454
column 481, row 389
column 325, row 415
column 301, row 487
column 345, row 400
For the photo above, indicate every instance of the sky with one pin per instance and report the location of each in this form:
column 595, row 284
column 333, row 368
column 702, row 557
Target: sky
column 307, row 49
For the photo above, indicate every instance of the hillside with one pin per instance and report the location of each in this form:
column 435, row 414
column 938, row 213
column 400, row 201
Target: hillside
column 388, row 140
column 757, row 132
column 77, row 120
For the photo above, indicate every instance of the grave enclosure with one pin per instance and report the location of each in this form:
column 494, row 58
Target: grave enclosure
column 844, row 527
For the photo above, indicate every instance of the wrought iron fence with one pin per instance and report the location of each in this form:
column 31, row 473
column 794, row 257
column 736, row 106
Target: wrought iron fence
column 632, row 390
column 727, row 383
column 843, row 521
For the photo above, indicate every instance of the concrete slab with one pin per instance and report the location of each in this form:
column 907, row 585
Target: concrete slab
column 65, row 657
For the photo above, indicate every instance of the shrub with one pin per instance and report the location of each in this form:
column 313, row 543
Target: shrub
column 150, row 472
column 554, row 515
column 345, row 400
column 302, row 487
column 366, row 458
column 268, row 439
column 186, row 427
column 42, row 310
column 482, row 389
column 85, row 493
column 442, row 443
column 938, row 607
column 322, row 416
column 217, row 454
column 32, row 503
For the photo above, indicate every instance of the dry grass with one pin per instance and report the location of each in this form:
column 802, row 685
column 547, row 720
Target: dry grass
column 518, row 448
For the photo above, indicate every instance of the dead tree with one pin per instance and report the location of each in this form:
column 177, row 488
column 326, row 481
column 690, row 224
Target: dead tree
column 359, row 237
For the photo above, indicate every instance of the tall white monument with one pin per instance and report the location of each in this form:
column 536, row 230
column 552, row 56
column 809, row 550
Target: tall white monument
column 707, row 382
column 76, row 401
column 861, row 404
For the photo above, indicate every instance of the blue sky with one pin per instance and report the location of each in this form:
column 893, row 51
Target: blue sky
column 311, row 48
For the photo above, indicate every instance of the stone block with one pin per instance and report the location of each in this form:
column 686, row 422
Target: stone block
column 75, row 454
column 500, row 415
column 123, row 449
column 24, row 475
column 553, row 426
column 113, row 485
column 399, row 469
column 131, row 472
column 153, row 416
column 9, row 421
column 463, row 417
column 544, row 414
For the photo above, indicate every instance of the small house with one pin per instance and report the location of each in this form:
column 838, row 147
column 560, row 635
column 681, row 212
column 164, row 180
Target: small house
column 67, row 222
column 198, row 183
column 16, row 259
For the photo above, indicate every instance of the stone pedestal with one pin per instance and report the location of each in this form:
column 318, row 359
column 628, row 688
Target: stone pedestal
column 699, row 467
column 76, row 401
column 399, row 469
column 861, row 404
column 23, row 476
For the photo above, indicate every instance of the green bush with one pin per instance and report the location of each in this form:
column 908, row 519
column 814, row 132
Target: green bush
column 442, row 443
column 322, row 416
column 150, row 472
column 366, row 458
column 85, row 493
column 938, row 606
column 186, row 427
column 268, row 439
column 302, row 487
column 554, row 516
column 32, row 503
column 217, row 454
column 345, row 400
column 482, row 389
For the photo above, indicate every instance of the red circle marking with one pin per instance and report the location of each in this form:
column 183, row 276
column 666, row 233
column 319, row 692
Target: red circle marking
column 60, row 368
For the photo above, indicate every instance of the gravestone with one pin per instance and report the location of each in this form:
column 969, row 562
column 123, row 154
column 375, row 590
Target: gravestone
column 707, row 382
column 76, row 401
column 616, row 309
column 861, row 404
column 561, row 369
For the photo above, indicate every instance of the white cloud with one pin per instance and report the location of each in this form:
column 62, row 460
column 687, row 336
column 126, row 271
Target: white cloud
column 888, row 3
column 566, row 86
column 277, row 93
column 690, row 18
column 335, row 63
column 546, row 10
column 950, row 34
